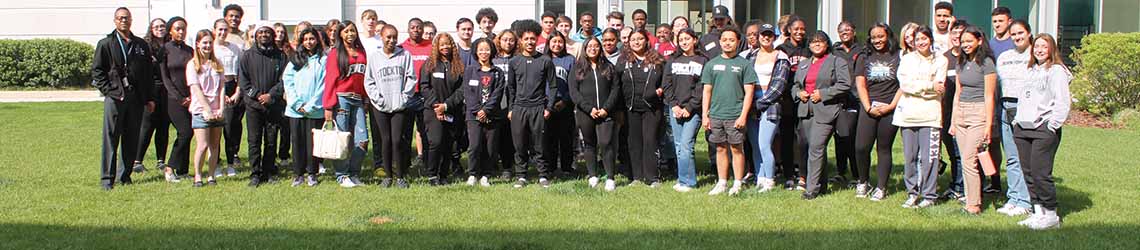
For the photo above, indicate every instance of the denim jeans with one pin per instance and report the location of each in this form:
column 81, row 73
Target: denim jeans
column 684, row 138
column 1018, row 192
column 350, row 118
column 761, row 131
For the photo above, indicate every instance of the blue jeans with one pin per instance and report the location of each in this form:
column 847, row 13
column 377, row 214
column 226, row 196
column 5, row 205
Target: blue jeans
column 684, row 137
column 761, row 131
column 350, row 118
column 1018, row 192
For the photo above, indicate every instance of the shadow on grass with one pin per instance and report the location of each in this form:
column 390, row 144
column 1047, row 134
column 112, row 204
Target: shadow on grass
column 394, row 236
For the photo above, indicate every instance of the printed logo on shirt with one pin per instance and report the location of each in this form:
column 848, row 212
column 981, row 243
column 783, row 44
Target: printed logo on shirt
column 357, row 68
column 736, row 69
column 419, row 57
column 719, row 67
column 880, row 71
column 687, row 69
column 560, row 72
column 391, row 71
column 504, row 67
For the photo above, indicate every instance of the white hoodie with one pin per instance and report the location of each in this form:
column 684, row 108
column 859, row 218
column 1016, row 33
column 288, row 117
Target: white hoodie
column 390, row 81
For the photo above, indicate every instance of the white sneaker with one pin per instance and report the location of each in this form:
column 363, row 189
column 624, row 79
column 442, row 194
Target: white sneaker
column 172, row 178
column 345, row 182
column 765, row 185
column 911, row 200
column 1038, row 212
column 471, row 180
column 484, row 182
column 719, row 187
column 520, row 183
column 593, row 181
column 682, row 188
column 321, row 168
column 1047, row 220
column 544, row 182
column 735, row 188
column 230, row 171
column 610, row 185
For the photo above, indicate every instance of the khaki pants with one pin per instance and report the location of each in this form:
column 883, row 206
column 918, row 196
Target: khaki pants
column 969, row 130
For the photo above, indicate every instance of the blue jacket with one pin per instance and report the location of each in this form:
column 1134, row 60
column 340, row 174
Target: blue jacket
column 304, row 88
column 563, row 66
column 581, row 36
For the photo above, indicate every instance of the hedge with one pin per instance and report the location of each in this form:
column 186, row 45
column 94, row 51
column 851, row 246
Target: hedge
column 1107, row 76
column 54, row 63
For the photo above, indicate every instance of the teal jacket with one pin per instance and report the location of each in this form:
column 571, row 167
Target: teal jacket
column 304, row 87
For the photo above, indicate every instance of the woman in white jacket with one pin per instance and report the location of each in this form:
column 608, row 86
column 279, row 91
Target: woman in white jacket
column 921, row 77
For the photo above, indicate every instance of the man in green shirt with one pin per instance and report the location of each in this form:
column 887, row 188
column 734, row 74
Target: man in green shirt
column 728, row 80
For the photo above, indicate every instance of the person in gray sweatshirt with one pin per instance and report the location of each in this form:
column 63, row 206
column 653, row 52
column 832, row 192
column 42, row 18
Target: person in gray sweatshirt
column 390, row 83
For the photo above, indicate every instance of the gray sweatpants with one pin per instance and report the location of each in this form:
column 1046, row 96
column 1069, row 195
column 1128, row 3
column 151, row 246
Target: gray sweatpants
column 920, row 149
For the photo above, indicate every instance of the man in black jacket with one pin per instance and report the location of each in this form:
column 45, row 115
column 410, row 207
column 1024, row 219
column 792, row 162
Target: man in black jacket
column 528, row 85
column 123, row 72
column 260, row 80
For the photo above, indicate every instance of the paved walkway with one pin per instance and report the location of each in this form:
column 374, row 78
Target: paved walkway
column 50, row 96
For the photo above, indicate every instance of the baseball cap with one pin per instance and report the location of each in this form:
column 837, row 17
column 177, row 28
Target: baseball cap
column 767, row 28
column 720, row 12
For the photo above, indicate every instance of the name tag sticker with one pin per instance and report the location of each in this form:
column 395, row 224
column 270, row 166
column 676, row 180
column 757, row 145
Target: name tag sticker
column 473, row 83
column 437, row 75
column 710, row 46
column 718, row 67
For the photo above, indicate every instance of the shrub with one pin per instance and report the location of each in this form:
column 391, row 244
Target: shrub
column 51, row 63
column 1107, row 76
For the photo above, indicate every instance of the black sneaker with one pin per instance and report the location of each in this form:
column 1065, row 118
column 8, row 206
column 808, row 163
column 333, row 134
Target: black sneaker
column 254, row 181
column 386, row 183
column 198, row 184
column 506, row 175
column 108, row 187
column 297, row 181
column 434, row 181
column 807, row 196
column 950, row 195
column 401, row 183
column 790, row 185
column 139, row 167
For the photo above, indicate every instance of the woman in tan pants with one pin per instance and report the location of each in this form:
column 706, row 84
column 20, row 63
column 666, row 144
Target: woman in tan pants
column 973, row 109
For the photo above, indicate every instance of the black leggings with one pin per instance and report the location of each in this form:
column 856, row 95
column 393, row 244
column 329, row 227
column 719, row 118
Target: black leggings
column 880, row 133
column 180, row 155
column 483, row 152
column 440, row 137
column 845, row 143
column 156, row 124
column 643, row 127
column 559, row 133
column 302, row 140
column 394, row 146
column 596, row 136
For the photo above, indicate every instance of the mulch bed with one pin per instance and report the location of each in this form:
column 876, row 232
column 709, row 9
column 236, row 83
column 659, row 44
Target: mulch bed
column 1085, row 119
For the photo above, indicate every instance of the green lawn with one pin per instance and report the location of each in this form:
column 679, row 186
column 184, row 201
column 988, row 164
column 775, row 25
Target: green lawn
column 50, row 199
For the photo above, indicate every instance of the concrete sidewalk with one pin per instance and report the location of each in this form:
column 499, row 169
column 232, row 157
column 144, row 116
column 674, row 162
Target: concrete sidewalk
column 50, row 96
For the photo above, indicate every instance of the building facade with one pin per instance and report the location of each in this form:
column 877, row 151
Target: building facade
column 90, row 20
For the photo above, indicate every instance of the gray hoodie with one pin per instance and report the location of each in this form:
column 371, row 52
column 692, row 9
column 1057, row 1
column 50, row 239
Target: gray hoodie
column 390, row 81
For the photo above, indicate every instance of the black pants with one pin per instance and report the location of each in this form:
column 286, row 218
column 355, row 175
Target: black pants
column 156, row 124
column 622, row 141
column 597, row 135
column 121, row 121
column 374, row 131
column 845, row 134
column 527, row 126
column 302, row 140
column 559, row 134
column 878, row 133
column 232, row 131
column 643, row 127
column 441, row 137
column 483, row 152
column 787, row 134
column 180, row 117
column 284, row 138
column 1037, row 149
column 263, row 126
column 393, row 141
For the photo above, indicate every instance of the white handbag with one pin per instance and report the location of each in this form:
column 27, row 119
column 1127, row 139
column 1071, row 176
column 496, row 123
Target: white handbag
column 332, row 143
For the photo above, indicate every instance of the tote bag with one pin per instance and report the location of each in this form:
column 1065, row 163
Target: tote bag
column 332, row 143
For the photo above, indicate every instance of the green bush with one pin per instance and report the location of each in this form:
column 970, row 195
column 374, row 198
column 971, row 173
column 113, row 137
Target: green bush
column 1107, row 76
column 53, row 63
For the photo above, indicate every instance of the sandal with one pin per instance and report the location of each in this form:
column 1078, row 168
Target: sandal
column 198, row 184
column 212, row 182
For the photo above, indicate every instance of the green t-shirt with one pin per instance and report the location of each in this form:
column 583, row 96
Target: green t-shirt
column 727, row 77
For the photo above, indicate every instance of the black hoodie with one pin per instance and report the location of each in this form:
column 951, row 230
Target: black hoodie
column 261, row 71
column 440, row 85
column 682, row 82
column 589, row 86
column 109, row 67
column 639, row 84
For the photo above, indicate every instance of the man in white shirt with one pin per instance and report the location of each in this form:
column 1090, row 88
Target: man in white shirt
column 370, row 36
column 943, row 19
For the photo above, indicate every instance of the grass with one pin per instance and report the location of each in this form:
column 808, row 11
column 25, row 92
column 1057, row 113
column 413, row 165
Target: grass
column 50, row 199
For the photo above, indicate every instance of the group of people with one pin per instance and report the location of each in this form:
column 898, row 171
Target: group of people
column 625, row 98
